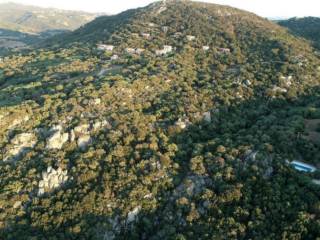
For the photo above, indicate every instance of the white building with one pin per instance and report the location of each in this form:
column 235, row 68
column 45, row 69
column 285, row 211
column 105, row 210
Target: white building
column 139, row 51
column 205, row 48
column 114, row 57
column 146, row 35
column 130, row 50
column 191, row 38
column 104, row 47
column 224, row 50
column 135, row 50
column 303, row 167
column 166, row 49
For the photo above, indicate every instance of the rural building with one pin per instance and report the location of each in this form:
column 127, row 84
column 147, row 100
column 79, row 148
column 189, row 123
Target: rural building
column 303, row 167
column 104, row 47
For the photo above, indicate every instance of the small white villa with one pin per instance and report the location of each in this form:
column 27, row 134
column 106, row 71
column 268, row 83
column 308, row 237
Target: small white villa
column 166, row 49
column 114, row 57
column 224, row 50
column 130, row 50
column 191, row 38
column 146, row 35
column 139, row 51
column 205, row 48
column 104, row 47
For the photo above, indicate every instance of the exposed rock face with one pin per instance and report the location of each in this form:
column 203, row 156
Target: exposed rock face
column 99, row 124
column 132, row 215
column 251, row 155
column 192, row 186
column 82, row 133
column 17, row 204
column 207, row 117
column 84, row 141
column 18, row 121
column 82, row 129
column 20, row 144
column 11, row 121
column 52, row 179
column 58, row 138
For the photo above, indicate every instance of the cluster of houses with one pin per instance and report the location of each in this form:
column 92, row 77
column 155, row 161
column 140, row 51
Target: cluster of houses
column 161, row 52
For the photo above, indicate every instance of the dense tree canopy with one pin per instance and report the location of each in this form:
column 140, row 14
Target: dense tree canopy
column 191, row 144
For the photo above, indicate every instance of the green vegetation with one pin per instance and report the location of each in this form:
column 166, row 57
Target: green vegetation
column 307, row 28
column 192, row 144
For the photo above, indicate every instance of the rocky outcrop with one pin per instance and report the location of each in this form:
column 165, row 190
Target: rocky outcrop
column 193, row 185
column 58, row 138
column 82, row 129
column 100, row 124
column 19, row 145
column 84, row 141
column 11, row 121
column 52, row 179
column 207, row 117
column 82, row 133
column 132, row 215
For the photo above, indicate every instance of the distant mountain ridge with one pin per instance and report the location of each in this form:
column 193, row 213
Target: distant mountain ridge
column 22, row 25
column 33, row 19
column 307, row 27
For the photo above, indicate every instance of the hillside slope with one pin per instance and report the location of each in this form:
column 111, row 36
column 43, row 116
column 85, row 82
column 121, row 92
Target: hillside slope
column 173, row 121
column 22, row 25
column 308, row 28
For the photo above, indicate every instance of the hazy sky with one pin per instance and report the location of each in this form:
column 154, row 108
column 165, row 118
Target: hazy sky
column 265, row 8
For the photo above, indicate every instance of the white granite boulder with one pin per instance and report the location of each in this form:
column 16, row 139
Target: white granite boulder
column 132, row 215
column 58, row 138
column 52, row 179
column 84, row 141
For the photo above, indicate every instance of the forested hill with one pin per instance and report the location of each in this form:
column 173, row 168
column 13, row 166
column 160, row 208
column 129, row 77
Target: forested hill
column 174, row 121
column 31, row 19
column 308, row 27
